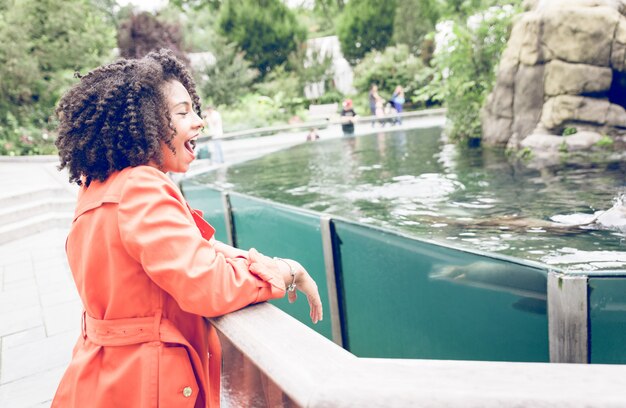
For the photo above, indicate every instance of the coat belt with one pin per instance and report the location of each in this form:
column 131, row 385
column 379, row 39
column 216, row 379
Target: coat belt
column 136, row 330
column 124, row 332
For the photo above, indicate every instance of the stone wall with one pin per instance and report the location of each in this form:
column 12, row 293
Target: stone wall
column 564, row 67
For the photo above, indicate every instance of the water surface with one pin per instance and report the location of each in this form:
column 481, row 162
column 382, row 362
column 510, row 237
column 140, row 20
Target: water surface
column 415, row 182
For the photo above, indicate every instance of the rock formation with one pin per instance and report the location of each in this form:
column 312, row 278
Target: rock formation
column 563, row 72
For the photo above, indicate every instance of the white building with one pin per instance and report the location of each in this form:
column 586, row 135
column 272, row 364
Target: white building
column 342, row 71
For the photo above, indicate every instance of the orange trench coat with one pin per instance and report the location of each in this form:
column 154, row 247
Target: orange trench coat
column 147, row 274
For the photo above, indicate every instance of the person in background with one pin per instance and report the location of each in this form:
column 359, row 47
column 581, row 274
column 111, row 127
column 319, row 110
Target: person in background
column 397, row 100
column 213, row 121
column 147, row 266
column 312, row 135
column 375, row 102
column 348, row 117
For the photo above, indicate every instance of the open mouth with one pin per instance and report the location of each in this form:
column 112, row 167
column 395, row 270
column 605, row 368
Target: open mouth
column 190, row 145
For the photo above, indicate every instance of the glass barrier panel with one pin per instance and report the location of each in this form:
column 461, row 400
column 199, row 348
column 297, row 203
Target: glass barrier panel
column 277, row 230
column 209, row 201
column 406, row 298
column 607, row 319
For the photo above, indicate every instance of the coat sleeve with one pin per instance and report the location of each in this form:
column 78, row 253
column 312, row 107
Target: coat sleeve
column 156, row 230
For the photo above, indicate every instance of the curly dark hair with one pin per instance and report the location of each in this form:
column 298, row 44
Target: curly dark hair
column 117, row 115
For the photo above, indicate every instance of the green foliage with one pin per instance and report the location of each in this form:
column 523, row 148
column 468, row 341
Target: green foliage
column 332, row 96
column 569, row 131
column 195, row 5
column 284, row 88
column 43, row 43
column 460, row 10
column 525, row 154
column 328, row 10
column 365, row 25
column 606, row 142
column 413, row 20
column 198, row 23
column 229, row 78
column 255, row 111
column 265, row 29
column 563, row 148
column 17, row 140
column 464, row 70
column 316, row 24
column 311, row 66
column 144, row 32
column 395, row 66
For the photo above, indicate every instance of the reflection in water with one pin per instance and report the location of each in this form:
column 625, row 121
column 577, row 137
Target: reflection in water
column 415, row 182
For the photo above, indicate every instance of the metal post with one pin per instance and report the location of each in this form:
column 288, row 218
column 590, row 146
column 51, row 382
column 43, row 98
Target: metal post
column 331, row 282
column 568, row 318
column 228, row 219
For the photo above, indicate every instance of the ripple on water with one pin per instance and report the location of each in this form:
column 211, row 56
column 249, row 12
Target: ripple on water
column 576, row 259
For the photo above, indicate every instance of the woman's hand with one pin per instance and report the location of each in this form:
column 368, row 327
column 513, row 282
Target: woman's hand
column 305, row 284
column 303, row 281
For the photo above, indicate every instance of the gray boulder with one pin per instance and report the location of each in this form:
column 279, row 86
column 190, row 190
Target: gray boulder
column 564, row 67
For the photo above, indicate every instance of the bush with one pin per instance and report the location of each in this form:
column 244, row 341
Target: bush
column 332, row 96
column 229, row 78
column 465, row 67
column 395, row 66
column 284, row 89
column 42, row 45
column 16, row 140
column 255, row 111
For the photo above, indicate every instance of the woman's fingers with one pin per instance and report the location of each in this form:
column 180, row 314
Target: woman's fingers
column 304, row 282
column 309, row 288
column 315, row 305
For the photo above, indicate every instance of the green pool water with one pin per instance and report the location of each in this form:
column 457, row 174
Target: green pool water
column 416, row 183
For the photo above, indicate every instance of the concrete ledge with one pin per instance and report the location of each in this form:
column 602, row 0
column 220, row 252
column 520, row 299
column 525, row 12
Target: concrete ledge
column 36, row 208
column 314, row 372
column 43, row 158
column 319, row 124
column 33, row 225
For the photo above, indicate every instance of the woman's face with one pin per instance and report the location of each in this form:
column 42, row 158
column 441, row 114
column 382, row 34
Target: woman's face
column 187, row 125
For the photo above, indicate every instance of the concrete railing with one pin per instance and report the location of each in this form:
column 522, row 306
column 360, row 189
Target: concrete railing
column 322, row 123
column 271, row 359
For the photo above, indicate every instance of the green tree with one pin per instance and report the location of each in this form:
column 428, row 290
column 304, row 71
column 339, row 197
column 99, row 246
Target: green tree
column 395, row 66
column 229, row 78
column 112, row 10
column 43, row 43
column 265, row 29
column 365, row 25
column 464, row 69
column 144, row 32
column 311, row 66
column 198, row 25
column 460, row 10
column 328, row 10
column 413, row 20
column 195, row 5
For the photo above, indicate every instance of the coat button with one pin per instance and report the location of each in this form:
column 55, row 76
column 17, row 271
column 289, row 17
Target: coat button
column 187, row 392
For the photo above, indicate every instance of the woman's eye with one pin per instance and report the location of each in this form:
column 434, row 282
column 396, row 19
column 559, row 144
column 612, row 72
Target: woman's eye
column 183, row 113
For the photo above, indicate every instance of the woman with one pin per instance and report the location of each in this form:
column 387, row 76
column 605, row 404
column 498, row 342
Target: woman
column 397, row 99
column 145, row 264
column 375, row 102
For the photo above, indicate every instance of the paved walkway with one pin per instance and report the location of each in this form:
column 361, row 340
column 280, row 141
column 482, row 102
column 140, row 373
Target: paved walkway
column 39, row 308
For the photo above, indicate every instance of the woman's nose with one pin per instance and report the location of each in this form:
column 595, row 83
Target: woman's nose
column 198, row 122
